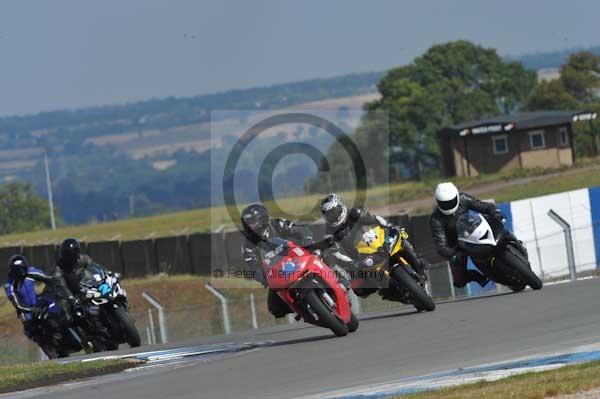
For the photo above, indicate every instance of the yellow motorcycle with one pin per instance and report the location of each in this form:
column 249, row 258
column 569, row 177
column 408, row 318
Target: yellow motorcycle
column 391, row 274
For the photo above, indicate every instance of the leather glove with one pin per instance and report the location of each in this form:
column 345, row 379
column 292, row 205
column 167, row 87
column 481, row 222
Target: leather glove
column 307, row 241
column 499, row 216
column 363, row 263
column 37, row 312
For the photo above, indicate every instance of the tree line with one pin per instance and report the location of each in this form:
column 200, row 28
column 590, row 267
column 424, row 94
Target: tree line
column 456, row 82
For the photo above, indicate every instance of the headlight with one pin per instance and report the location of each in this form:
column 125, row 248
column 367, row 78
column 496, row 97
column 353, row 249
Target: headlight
column 92, row 293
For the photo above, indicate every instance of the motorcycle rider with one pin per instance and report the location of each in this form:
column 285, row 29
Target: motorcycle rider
column 344, row 227
column 450, row 204
column 258, row 226
column 20, row 290
column 71, row 266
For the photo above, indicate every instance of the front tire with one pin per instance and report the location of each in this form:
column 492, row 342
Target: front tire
column 517, row 288
column 523, row 270
column 326, row 317
column 419, row 297
column 353, row 323
column 128, row 328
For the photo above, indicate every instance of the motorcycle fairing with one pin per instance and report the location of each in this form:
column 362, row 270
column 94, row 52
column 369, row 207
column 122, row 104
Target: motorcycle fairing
column 481, row 235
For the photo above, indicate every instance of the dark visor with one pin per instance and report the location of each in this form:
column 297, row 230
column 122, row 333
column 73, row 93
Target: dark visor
column 448, row 205
column 333, row 215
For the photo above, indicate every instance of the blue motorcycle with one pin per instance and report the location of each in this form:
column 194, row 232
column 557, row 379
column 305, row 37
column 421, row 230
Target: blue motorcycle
column 55, row 332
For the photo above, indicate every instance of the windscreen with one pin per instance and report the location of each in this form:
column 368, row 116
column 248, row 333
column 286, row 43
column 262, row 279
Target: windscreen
column 273, row 250
column 466, row 224
column 93, row 276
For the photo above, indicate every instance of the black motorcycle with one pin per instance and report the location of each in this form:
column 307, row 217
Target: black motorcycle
column 496, row 251
column 103, row 303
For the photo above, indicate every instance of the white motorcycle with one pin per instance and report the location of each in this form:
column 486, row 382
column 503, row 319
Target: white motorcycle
column 496, row 251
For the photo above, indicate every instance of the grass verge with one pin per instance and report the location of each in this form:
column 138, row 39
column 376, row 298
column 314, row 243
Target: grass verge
column 562, row 381
column 21, row 377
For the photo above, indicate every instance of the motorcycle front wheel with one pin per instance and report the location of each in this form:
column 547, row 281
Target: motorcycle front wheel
column 353, row 323
column 326, row 317
column 128, row 328
column 419, row 297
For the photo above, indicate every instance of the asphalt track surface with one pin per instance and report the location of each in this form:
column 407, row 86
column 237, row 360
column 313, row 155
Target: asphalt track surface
column 388, row 346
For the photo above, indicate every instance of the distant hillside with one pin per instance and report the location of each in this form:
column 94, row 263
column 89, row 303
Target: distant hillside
column 552, row 59
column 71, row 128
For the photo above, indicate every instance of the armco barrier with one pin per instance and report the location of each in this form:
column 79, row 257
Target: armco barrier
column 107, row 253
column 233, row 242
column 139, row 258
column 200, row 257
column 217, row 250
column 42, row 256
column 6, row 253
column 173, row 255
column 196, row 254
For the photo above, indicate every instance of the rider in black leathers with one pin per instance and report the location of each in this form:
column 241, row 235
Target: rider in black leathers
column 450, row 205
column 345, row 227
column 71, row 266
column 257, row 227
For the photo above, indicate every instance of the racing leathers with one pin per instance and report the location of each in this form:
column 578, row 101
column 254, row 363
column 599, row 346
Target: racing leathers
column 443, row 230
column 344, row 239
column 251, row 254
column 72, row 272
column 21, row 292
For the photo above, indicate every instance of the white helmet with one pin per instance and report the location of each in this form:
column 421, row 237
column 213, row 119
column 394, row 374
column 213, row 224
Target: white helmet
column 447, row 198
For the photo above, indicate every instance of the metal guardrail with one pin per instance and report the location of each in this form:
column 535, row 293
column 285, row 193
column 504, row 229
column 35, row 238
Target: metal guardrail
column 161, row 316
column 568, row 242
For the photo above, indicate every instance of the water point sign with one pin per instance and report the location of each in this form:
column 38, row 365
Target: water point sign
column 495, row 128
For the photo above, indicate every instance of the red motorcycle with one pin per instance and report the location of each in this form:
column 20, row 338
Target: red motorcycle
column 308, row 286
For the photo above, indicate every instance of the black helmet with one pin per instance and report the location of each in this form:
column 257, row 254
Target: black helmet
column 255, row 219
column 70, row 250
column 334, row 210
column 17, row 266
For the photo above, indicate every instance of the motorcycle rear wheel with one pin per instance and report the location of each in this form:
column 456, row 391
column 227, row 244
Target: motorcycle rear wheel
column 326, row 317
column 50, row 351
column 419, row 297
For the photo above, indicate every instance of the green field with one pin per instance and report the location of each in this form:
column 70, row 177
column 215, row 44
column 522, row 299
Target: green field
column 562, row 381
column 585, row 174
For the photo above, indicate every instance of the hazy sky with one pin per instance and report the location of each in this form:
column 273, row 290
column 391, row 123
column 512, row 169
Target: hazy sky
column 58, row 54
